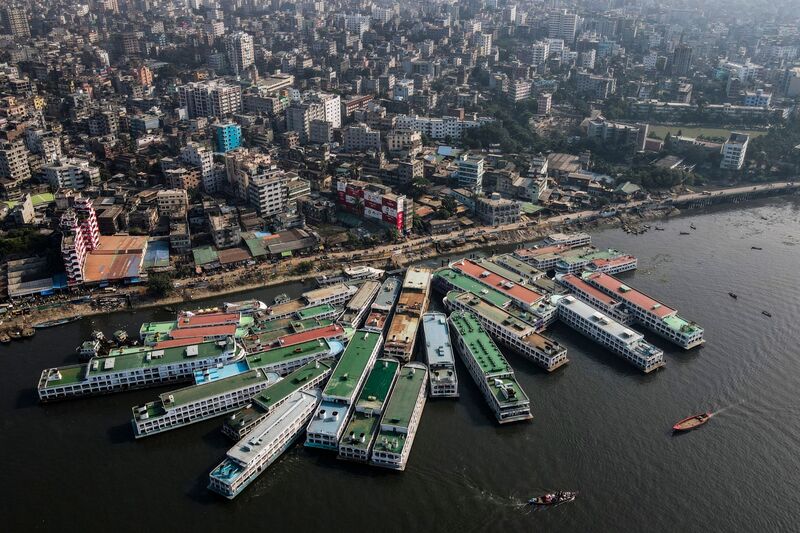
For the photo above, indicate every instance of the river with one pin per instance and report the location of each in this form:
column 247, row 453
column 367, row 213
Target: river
column 599, row 427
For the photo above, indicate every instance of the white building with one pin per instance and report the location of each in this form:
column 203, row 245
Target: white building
column 563, row 25
column 439, row 128
column 71, row 174
column 470, row 173
column 239, row 49
column 212, row 98
column 360, row 137
column 172, row 201
column 201, row 158
column 734, row 151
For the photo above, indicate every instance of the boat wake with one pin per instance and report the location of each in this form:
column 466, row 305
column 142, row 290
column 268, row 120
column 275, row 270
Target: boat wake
column 723, row 409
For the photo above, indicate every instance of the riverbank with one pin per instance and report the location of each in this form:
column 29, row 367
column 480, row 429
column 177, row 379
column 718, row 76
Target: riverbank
column 390, row 256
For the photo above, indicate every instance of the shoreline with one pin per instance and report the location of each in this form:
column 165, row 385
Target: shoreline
column 138, row 300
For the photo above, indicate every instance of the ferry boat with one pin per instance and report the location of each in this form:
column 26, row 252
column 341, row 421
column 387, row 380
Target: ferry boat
column 245, row 307
column 363, row 272
column 58, row 322
column 439, row 355
column 490, row 370
column 326, row 428
column 357, row 307
column 286, row 359
column 309, row 376
column 261, row 447
column 192, row 404
column 650, row 313
column 510, row 330
column 401, row 418
column 413, row 302
column 362, row 428
column 382, row 307
column 135, row 368
column 609, row 333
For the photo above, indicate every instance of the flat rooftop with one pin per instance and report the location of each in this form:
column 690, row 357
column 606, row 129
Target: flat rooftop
column 492, row 313
column 292, row 383
column 247, row 450
column 511, row 262
column 292, row 306
column 315, row 310
column 467, row 284
column 577, row 283
column 387, row 294
column 287, row 353
column 378, row 385
column 197, row 393
column 403, row 399
column 600, row 320
column 506, row 286
column 139, row 358
column 364, row 295
column 403, row 329
column 482, row 348
column 417, row 279
column 326, row 292
column 628, row 294
column 496, row 268
column 438, row 348
column 411, row 301
column 352, row 365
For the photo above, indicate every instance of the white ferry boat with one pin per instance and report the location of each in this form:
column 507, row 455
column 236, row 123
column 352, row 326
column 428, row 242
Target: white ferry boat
column 192, row 404
column 439, row 354
column 262, row 446
column 607, row 332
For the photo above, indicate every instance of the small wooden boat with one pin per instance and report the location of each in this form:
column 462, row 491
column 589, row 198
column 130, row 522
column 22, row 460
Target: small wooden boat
column 766, row 313
column 4, row 338
column 57, row 322
column 732, row 295
column 658, row 228
column 282, row 298
column 685, row 233
column 691, row 422
column 554, row 498
column 756, row 248
column 692, row 226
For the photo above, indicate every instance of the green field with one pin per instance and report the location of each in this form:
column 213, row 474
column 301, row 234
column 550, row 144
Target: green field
column 695, row 131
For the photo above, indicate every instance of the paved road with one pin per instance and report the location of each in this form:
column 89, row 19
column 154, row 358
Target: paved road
column 411, row 244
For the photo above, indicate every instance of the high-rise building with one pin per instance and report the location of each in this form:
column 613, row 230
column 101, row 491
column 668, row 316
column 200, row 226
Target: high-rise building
column 239, row 47
column 210, row 98
column 543, row 103
column 202, row 159
column 563, row 25
column 682, row 60
column 469, row 173
column 734, row 151
column 81, row 236
column 17, row 22
column 14, row 165
column 360, row 137
column 71, row 173
column 227, row 136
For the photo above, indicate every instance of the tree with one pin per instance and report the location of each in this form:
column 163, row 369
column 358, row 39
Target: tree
column 159, row 284
column 303, row 267
column 419, row 187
